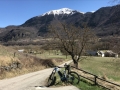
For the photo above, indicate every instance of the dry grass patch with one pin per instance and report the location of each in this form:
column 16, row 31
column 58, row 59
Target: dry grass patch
column 30, row 65
column 13, row 63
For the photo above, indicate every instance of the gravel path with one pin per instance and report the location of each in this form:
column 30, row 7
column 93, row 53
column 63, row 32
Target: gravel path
column 31, row 81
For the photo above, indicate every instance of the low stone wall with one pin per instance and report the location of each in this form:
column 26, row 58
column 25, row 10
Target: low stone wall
column 14, row 65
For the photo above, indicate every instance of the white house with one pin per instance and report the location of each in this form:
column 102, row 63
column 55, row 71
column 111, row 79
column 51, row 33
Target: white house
column 21, row 50
column 101, row 53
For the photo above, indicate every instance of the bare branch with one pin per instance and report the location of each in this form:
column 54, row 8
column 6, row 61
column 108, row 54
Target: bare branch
column 73, row 39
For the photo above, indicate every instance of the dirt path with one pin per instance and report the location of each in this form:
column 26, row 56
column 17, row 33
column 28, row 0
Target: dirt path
column 31, row 81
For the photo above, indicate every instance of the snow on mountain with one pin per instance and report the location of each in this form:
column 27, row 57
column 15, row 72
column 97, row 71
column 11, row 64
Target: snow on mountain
column 61, row 11
column 92, row 11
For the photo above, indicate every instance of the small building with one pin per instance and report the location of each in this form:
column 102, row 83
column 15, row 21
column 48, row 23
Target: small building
column 91, row 53
column 21, row 50
column 107, row 53
column 102, row 53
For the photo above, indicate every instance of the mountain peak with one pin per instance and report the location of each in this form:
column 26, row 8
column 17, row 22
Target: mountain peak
column 60, row 11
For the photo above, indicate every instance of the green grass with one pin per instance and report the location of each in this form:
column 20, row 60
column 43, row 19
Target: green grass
column 86, row 86
column 53, row 54
column 102, row 66
column 82, row 85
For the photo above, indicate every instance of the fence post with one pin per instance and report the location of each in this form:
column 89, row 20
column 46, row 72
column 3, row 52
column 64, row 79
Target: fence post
column 95, row 77
column 14, row 54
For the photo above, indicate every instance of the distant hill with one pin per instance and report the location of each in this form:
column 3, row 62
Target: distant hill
column 105, row 22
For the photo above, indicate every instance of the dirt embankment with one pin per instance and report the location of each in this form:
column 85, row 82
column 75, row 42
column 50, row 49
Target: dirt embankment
column 14, row 63
column 31, row 81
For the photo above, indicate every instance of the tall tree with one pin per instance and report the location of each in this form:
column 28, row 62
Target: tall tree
column 72, row 39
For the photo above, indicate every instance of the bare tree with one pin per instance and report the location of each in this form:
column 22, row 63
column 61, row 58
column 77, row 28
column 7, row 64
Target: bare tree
column 72, row 39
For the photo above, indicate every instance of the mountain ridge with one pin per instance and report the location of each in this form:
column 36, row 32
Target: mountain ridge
column 60, row 11
column 105, row 22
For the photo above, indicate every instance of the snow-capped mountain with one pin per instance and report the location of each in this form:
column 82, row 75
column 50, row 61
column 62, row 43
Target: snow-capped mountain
column 61, row 11
column 103, row 21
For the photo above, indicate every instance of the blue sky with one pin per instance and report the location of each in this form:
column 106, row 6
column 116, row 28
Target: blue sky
column 16, row 12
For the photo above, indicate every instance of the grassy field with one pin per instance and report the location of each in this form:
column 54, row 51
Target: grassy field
column 102, row 66
column 53, row 54
column 87, row 86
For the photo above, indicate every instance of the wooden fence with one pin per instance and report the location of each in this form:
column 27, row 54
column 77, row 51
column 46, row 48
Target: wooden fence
column 96, row 78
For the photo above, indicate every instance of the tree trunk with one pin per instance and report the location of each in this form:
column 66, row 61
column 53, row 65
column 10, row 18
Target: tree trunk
column 75, row 63
column 66, row 55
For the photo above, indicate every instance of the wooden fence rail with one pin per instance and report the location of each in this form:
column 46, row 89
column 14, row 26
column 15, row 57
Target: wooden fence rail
column 96, row 78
